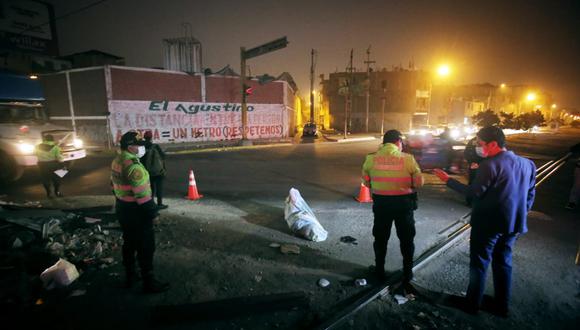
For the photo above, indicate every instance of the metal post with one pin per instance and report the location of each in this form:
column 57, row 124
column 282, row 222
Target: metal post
column 345, row 113
column 312, row 86
column 243, row 88
column 430, row 102
column 383, row 116
column 70, row 104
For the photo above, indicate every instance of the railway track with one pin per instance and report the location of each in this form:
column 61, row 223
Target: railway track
column 457, row 230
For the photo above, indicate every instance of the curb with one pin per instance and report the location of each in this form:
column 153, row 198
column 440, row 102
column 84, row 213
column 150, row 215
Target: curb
column 347, row 140
column 226, row 149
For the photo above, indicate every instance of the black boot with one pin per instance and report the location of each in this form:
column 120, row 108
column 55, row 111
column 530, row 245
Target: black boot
column 47, row 189
column 380, row 272
column 151, row 285
column 131, row 277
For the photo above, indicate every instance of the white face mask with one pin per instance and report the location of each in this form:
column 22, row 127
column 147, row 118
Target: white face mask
column 479, row 151
column 139, row 151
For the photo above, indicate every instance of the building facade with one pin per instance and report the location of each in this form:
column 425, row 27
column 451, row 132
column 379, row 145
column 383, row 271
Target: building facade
column 399, row 99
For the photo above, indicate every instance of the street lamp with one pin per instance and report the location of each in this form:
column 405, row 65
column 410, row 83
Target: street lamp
column 443, row 70
column 531, row 96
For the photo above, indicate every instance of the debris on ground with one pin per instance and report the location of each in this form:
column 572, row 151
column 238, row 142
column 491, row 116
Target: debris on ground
column 59, row 275
column 289, row 249
column 349, row 240
column 323, row 283
column 400, row 299
column 360, row 282
column 51, row 248
column 92, row 220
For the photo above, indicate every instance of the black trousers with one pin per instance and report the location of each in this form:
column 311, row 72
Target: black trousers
column 472, row 173
column 47, row 175
column 157, row 187
column 397, row 209
column 138, row 237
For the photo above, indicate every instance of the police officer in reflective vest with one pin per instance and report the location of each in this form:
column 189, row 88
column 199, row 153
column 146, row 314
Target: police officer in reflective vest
column 393, row 177
column 136, row 212
column 49, row 160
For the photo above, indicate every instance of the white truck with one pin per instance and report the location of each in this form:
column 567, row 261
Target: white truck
column 23, row 123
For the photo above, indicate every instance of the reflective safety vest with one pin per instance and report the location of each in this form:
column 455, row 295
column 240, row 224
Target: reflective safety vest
column 48, row 151
column 390, row 172
column 130, row 179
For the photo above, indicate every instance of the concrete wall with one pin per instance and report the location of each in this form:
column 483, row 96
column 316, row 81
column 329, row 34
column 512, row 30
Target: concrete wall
column 89, row 100
column 101, row 93
column 147, row 85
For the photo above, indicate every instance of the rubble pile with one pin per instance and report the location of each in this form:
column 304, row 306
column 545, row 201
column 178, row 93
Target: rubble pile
column 79, row 239
column 82, row 242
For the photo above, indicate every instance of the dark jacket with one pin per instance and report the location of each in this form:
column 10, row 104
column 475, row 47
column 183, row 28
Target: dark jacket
column 503, row 193
column 154, row 159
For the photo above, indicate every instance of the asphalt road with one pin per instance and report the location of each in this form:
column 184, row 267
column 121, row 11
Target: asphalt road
column 252, row 184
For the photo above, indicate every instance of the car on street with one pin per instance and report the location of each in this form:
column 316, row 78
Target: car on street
column 309, row 129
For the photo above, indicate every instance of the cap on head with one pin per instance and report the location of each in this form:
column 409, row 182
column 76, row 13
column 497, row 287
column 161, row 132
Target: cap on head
column 48, row 137
column 131, row 138
column 392, row 136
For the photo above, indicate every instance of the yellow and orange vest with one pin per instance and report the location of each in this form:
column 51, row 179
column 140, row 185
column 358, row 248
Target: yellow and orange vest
column 390, row 172
column 130, row 179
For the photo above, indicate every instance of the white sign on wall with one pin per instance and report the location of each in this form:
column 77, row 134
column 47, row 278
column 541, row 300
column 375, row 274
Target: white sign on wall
column 173, row 122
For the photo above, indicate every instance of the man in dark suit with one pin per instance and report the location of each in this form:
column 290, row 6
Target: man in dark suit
column 503, row 193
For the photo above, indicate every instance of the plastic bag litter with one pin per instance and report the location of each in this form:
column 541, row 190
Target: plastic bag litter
column 59, row 275
column 301, row 219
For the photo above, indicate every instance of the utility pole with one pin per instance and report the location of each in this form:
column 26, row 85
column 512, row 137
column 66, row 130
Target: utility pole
column 312, row 86
column 245, row 55
column 348, row 95
column 244, row 101
column 383, row 101
column 368, row 62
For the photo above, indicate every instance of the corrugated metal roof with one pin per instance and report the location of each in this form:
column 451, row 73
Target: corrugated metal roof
column 15, row 87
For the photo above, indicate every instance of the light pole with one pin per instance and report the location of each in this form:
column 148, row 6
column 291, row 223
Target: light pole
column 383, row 101
column 552, row 108
column 443, row 71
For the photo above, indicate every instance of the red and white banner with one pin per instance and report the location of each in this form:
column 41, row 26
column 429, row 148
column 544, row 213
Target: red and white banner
column 174, row 122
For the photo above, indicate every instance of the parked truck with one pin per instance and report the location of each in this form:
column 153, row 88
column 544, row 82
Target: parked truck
column 23, row 123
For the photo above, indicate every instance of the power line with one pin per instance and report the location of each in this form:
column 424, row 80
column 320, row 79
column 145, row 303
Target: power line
column 73, row 12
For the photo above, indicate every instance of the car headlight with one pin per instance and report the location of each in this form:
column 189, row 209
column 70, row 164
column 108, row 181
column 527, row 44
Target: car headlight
column 78, row 143
column 26, row 148
column 455, row 133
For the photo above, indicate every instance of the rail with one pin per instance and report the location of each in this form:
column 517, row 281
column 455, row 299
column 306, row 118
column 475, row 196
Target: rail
column 542, row 174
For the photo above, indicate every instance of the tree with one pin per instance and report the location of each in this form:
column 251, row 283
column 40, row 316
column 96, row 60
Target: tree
column 528, row 120
column 485, row 118
column 508, row 120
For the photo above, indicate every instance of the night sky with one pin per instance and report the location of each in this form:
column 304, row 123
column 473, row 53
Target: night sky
column 514, row 42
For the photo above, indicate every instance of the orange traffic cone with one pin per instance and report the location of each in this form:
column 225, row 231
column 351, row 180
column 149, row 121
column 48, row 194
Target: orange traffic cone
column 364, row 195
column 192, row 193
